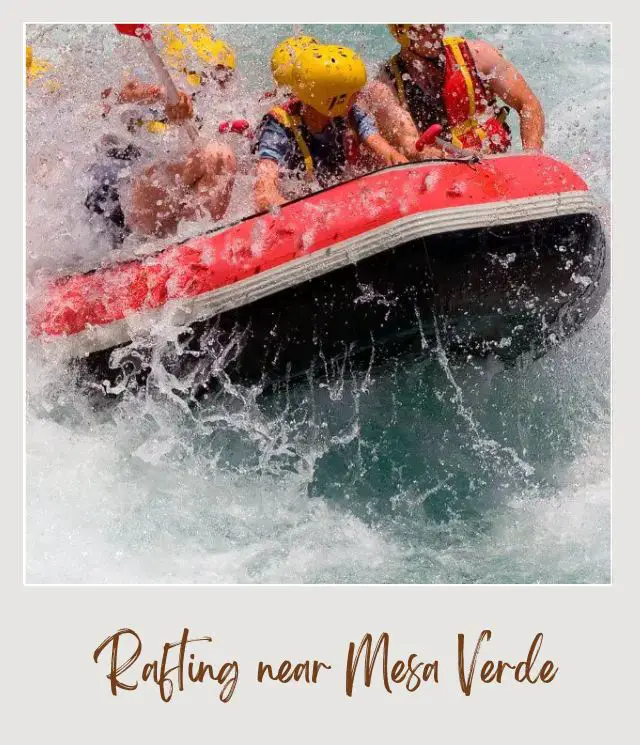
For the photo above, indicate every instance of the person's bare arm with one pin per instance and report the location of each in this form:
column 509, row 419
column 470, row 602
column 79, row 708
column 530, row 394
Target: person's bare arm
column 394, row 122
column 267, row 194
column 135, row 91
column 386, row 152
column 507, row 83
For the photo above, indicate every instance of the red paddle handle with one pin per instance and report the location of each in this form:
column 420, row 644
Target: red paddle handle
column 141, row 30
column 239, row 126
column 428, row 137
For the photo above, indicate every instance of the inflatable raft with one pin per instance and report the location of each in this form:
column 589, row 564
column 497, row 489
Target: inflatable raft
column 506, row 255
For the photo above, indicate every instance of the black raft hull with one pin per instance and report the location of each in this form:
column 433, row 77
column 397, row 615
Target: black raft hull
column 505, row 290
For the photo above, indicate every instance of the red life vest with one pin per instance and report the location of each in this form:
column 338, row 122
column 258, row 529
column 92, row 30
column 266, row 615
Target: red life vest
column 473, row 118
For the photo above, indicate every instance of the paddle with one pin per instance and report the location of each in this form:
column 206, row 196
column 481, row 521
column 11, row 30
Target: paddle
column 143, row 32
column 430, row 136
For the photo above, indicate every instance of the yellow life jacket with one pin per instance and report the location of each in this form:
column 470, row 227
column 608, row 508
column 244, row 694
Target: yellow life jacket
column 293, row 123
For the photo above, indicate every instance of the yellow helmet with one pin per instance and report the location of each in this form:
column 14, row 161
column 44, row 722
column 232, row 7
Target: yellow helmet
column 285, row 55
column 326, row 77
column 399, row 32
column 192, row 46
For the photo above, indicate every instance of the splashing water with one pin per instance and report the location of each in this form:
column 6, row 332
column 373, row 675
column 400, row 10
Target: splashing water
column 430, row 471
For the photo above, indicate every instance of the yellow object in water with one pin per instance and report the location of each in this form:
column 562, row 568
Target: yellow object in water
column 35, row 67
column 326, row 77
column 189, row 48
column 285, row 55
column 155, row 127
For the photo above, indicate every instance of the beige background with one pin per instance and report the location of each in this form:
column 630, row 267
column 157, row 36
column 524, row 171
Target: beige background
column 57, row 694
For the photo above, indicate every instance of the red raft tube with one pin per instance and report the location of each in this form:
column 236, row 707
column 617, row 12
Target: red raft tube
column 505, row 256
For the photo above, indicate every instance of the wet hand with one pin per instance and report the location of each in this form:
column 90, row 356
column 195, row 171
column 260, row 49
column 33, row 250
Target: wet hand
column 136, row 92
column 387, row 154
column 430, row 152
column 395, row 158
column 181, row 110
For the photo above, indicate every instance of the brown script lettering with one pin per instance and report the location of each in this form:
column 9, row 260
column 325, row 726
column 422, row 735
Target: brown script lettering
column 307, row 671
column 412, row 672
column 159, row 671
column 493, row 671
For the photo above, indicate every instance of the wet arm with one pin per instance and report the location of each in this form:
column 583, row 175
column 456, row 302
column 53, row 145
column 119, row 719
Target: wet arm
column 365, row 125
column 267, row 193
column 388, row 154
column 136, row 92
column 394, row 123
column 509, row 85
